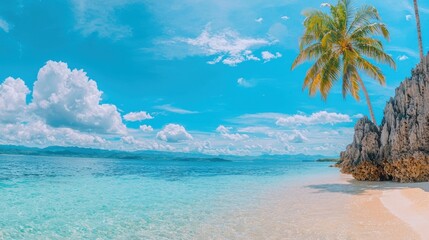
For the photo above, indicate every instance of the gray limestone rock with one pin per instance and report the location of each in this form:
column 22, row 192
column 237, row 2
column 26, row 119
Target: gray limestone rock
column 399, row 149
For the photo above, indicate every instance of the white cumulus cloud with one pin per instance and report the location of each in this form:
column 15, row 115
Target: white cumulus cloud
column 325, row 5
column 37, row 133
column 225, row 133
column 408, row 17
column 146, row 128
column 68, row 98
column 222, row 129
column 13, row 93
column 137, row 116
column 174, row 133
column 285, row 18
column 259, row 20
column 129, row 140
column 402, row 57
column 298, row 137
column 268, row 56
column 172, row 109
column 235, row 136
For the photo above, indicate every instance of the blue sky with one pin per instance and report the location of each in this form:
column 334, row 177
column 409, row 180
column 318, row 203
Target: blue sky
column 180, row 75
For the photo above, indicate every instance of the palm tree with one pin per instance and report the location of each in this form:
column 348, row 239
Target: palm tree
column 419, row 33
column 341, row 43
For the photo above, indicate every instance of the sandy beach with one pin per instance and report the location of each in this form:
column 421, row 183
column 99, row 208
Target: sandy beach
column 332, row 207
column 410, row 205
column 372, row 210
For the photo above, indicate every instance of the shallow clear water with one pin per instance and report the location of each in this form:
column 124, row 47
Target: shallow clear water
column 75, row 198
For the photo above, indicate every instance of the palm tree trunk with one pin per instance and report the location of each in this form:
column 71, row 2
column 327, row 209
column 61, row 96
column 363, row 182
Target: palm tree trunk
column 368, row 101
column 420, row 39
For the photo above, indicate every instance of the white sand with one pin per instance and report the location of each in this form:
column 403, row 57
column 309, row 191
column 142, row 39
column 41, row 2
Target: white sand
column 334, row 207
column 410, row 205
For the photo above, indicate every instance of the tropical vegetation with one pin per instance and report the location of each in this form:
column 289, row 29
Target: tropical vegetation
column 343, row 43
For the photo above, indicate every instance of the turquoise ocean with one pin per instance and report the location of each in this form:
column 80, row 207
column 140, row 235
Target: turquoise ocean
column 90, row 198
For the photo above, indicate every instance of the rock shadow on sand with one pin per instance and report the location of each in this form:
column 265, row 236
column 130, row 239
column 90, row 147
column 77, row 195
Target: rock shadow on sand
column 354, row 187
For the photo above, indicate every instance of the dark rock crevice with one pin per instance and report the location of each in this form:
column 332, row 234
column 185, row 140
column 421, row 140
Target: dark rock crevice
column 399, row 149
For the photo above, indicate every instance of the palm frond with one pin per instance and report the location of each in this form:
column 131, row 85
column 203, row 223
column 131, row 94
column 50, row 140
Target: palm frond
column 310, row 53
column 364, row 16
column 371, row 70
column 330, row 74
column 376, row 53
column 316, row 68
column 369, row 41
column 378, row 29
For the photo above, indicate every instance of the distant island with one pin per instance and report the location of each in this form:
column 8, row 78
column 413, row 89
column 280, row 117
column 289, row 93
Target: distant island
column 62, row 151
column 334, row 160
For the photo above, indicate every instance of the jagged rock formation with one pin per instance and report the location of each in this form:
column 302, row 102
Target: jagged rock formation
column 399, row 149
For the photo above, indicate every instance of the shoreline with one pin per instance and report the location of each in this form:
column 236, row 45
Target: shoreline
column 381, row 210
column 332, row 206
column 305, row 203
column 378, row 202
column 411, row 205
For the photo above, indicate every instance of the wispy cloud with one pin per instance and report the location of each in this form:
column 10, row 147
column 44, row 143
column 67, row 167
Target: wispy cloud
column 402, row 58
column 244, row 83
column 99, row 17
column 137, row 116
column 258, row 118
column 318, row 118
column 4, row 25
column 408, row 17
column 225, row 132
column 300, row 119
column 226, row 46
column 408, row 51
column 169, row 108
column 407, row 5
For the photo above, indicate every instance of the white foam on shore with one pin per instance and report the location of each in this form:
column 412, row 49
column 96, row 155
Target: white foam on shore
column 411, row 206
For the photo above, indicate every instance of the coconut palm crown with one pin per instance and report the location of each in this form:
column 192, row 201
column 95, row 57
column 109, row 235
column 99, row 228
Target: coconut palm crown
column 341, row 43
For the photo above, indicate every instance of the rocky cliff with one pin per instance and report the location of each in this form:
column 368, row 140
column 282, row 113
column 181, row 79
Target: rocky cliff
column 399, row 149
